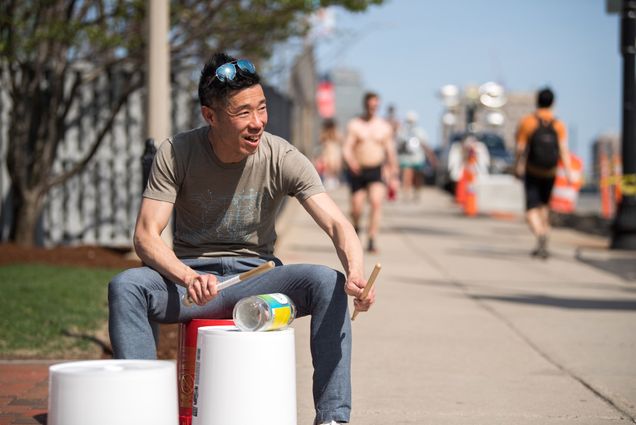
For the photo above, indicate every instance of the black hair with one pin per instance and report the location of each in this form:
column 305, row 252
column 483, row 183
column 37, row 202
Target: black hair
column 212, row 91
column 545, row 98
column 329, row 123
column 368, row 95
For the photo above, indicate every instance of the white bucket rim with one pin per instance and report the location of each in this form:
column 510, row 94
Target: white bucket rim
column 105, row 367
column 235, row 332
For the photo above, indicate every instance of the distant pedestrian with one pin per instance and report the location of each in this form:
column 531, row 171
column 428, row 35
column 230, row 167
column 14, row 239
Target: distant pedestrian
column 330, row 156
column 369, row 153
column 541, row 143
column 413, row 152
column 392, row 119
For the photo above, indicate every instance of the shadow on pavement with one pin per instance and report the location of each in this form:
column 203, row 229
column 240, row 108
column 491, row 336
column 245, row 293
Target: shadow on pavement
column 419, row 213
column 568, row 303
column 420, row 230
column 409, row 280
column 495, row 253
column 490, row 284
column 589, row 223
column 625, row 268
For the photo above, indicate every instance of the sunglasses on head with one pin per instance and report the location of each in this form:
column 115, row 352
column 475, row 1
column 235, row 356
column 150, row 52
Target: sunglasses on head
column 227, row 71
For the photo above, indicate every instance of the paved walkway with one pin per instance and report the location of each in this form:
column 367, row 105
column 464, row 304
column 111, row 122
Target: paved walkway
column 467, row 329
column 23, row 392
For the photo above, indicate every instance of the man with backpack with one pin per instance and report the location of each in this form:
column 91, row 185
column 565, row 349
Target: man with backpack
column 541, row 143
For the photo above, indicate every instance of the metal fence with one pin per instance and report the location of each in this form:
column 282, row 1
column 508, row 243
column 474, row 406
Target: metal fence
column 99, row 206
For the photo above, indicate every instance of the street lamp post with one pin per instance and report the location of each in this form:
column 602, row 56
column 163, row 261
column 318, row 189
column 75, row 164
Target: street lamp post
column 449, row 94
column 471, row 95
column 158, row 125
column 624, row 227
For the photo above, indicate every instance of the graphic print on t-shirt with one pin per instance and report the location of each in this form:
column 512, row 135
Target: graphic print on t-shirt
column 232, row 218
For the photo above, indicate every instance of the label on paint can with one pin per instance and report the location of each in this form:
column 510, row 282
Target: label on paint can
column 281, row 310
column 264, row 312
column 195, row 393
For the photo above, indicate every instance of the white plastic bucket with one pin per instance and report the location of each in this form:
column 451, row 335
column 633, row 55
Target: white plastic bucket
column 109, row 392
column 244, row 378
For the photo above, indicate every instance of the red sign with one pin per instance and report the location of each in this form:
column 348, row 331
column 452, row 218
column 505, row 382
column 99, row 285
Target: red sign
column 326, row 100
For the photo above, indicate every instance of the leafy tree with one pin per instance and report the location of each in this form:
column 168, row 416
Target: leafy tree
column 51, row 49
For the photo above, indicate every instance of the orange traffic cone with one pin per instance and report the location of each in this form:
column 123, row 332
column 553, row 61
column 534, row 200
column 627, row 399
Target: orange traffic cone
column 470, row 202
column 460, row 187
column 565, row 193
column 617, row 171
column 606, row 196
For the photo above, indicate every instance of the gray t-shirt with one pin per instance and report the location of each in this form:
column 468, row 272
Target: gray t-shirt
column 228, row 209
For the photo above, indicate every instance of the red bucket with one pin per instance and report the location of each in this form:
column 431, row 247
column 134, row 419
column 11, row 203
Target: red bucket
column 186, row 362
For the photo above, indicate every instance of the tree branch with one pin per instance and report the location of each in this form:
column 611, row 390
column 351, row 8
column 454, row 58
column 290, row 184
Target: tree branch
column 106, row 127
column 77, row 83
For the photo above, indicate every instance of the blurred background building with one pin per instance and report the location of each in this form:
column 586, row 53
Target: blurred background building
column 349, row 90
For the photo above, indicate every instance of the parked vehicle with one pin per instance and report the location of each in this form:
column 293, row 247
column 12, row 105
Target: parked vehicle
column 447, row 174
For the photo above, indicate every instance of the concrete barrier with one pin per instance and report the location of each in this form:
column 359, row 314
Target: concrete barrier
column 499, row 193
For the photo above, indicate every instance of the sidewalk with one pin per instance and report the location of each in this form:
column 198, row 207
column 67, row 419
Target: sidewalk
column 23, row 392
column 467, row 328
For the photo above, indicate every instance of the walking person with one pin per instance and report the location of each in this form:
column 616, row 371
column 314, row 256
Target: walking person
column 330, row 154
column 392, row 119
column 541, row 143
column 413, row 153
column 226, row 181
column 369, row 153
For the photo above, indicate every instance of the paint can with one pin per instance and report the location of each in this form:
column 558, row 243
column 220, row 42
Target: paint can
column 244, row 377
column 186, row 362
column 107, row 392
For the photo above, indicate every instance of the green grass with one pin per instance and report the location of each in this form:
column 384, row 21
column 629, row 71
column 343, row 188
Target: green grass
column 51, row 311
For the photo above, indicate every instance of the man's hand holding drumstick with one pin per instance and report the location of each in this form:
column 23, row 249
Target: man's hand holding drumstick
column 363, row 291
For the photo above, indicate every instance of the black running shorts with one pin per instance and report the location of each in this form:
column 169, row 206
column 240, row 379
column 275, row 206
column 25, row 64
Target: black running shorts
column 365, row 178
column 538, row 190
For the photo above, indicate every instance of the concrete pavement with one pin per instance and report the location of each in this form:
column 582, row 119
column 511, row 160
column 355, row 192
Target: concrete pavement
column 469, row 329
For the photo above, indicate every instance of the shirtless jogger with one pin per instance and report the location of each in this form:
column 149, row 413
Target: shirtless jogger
column 370, row 156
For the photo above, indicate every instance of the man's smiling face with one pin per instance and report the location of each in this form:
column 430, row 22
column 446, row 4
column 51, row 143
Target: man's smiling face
column 237, row 126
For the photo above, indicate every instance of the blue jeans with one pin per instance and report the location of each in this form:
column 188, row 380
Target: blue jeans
column 137, row 297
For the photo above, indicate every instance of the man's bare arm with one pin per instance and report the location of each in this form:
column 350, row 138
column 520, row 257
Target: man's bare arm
column 519, row 167
column 153, row 217
column 329, row 217
column 392, row 162
column 347, row 151
column 564, row 154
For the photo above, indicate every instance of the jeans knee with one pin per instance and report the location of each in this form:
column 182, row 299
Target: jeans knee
column 122, row 286
column 330, row 284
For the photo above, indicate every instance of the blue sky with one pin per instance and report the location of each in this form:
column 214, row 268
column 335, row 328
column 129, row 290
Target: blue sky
column 406, row 49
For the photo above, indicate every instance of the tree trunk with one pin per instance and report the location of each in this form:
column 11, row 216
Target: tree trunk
column 27, row 209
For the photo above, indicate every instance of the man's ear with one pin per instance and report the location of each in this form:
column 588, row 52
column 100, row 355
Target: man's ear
column 208, row 115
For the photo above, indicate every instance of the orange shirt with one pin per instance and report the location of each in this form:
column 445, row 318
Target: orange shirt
column 529, row 124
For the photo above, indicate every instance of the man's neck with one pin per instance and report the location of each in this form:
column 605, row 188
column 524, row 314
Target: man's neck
column 545, row 112
column 217, row 148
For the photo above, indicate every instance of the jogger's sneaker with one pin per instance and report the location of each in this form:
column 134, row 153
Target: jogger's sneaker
column 371, row 247
column 543, row 254
column 541, row 250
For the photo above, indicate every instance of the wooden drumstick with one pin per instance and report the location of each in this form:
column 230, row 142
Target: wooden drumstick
column 187, row 301
column 370, row 282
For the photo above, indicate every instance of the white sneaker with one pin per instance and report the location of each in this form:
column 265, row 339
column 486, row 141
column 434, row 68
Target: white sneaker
column 332, row 423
